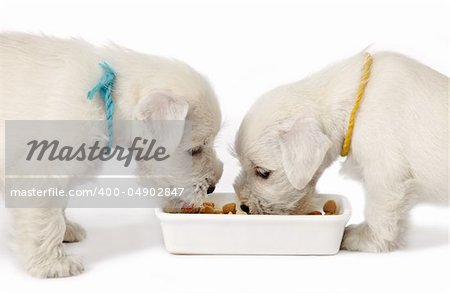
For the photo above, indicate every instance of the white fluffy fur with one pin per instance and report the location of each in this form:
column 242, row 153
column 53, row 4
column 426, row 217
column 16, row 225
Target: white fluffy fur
column 48, row 78
column 399, row 148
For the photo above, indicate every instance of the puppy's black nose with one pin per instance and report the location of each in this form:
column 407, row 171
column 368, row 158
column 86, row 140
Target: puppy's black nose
column 211, row 189
column 245, row 208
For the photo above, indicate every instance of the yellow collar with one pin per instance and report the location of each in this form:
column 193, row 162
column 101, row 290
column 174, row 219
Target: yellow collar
column 362, row 87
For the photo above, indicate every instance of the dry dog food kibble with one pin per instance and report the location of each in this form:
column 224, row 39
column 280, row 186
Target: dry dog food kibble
column 229, row 208
column 315, row 213
column 209, row 208
column 330, row 207
column 206, row 209
column 190, row 210
column 186, row 210
column 209, row 203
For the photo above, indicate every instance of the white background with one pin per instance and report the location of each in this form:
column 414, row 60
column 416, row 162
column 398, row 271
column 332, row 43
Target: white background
column 245, row 49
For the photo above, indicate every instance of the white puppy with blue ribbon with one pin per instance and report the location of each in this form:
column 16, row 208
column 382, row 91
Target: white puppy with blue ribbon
column 45, row 78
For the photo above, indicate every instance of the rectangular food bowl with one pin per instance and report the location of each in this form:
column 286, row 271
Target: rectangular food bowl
column 255, row 234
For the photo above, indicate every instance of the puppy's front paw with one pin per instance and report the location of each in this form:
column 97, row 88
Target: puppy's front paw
column 361, row 238
column 74, row 232
column 64, row 266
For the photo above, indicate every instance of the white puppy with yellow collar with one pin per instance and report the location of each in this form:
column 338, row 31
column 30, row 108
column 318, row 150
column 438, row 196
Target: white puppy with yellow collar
column 45, row 78
column 399, row 146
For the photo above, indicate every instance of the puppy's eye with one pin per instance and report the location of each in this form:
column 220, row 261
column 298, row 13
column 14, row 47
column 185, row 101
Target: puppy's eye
column 195, row 151
column 263, row 173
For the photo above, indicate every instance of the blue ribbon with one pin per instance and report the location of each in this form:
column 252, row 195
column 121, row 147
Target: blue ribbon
column 104, row 88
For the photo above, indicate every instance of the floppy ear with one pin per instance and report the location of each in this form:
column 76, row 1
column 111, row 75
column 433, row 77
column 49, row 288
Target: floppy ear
column 165, row 115
column 303, row 148
column 161, row 106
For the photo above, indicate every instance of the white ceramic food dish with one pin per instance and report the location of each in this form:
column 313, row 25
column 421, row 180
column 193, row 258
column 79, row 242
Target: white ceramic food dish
column 255, row 234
